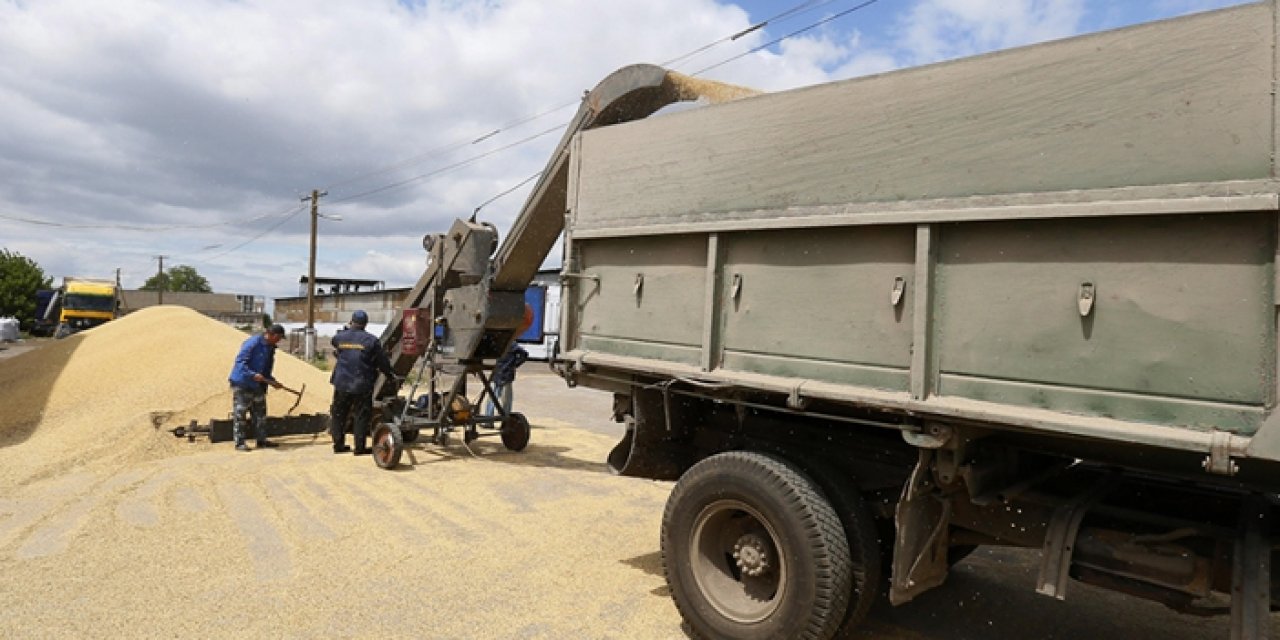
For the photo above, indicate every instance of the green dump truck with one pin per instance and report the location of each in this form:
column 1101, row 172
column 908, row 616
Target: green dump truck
column 1025, row 299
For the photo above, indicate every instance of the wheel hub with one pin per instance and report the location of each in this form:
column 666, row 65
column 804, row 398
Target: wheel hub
column 751, row 555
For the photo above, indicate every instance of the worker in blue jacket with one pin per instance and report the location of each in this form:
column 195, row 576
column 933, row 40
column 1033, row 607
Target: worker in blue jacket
column 504, row 378
column 250, row 376
column 504, row 370
column 358, row 357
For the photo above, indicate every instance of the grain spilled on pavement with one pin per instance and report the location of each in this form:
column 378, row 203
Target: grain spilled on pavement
column 111, row 527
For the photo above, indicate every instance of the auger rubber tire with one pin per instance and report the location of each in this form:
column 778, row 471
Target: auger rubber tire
column 388, row 445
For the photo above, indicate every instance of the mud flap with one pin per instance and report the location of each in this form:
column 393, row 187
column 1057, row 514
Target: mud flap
column 920, row 549
column 650, row 447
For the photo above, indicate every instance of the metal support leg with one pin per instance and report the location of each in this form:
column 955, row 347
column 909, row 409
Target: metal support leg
column 1251, row 575
column 1060, row 540
column 492, row 396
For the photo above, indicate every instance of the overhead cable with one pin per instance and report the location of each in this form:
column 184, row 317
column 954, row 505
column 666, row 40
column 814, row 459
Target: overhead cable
column 298, row 209
column 793, row 33
column 449, row 167
column 797, row 9
column 504, row 193
column 135, row 227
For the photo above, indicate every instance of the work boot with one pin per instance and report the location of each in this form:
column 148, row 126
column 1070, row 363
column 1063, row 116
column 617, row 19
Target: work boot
column 341, row 448
column 242, row 447
column 267, row 444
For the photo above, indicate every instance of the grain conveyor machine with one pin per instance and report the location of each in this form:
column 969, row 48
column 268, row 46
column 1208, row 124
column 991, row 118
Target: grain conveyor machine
column 468, row 307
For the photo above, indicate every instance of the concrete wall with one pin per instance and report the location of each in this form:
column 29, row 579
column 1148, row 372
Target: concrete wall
column 382, row 306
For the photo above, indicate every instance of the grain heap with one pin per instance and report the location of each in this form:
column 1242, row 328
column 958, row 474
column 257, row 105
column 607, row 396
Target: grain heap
column 105, row 395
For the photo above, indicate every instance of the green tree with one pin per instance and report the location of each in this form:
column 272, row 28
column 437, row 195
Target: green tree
column 20, row 277
column 179, row 278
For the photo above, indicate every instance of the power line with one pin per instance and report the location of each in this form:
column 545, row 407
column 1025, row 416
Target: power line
column 295, row 212
column 793, row 11
column 449, row 167
column 504, row 193
column 448, row 148
column 793, row 33
column 133, row 227
column 796, row 10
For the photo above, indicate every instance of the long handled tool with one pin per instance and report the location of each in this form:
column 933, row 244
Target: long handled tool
column 298, row 393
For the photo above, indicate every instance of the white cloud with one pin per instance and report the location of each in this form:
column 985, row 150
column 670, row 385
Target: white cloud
column 942, row 29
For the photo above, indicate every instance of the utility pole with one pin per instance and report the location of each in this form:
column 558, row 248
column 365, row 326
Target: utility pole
column 309, row 335
column 119, row 292
column 161, row 283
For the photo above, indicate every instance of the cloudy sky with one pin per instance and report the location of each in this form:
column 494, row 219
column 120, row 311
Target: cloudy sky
column 191, row 129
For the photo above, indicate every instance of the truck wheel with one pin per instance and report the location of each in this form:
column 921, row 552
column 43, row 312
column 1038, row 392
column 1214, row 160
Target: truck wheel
column 515, row 432
column 863, row 533
column 752, row 549
column 388, row 444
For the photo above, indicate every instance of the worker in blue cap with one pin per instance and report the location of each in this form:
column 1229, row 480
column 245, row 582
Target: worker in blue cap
column 358, row 358
column 250, row 377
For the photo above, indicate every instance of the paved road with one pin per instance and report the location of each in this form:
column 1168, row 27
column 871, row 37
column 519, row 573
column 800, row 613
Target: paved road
column 11, row 349
column 202, row 541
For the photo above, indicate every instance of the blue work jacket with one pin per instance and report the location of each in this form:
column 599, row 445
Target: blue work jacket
column 256, row 356
column 358, row 358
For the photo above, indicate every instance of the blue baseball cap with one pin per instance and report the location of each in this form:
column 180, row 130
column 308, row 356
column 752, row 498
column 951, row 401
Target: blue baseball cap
column 360, row 317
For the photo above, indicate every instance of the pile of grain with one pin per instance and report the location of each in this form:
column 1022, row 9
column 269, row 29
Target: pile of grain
column 107, row 394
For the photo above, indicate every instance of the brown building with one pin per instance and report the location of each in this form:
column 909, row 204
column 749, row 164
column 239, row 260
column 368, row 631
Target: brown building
column 337, row 298
column 231, row 308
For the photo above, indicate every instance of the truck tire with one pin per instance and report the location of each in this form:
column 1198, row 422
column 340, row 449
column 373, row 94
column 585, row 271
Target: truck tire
column 863, row 532
column 752, row 549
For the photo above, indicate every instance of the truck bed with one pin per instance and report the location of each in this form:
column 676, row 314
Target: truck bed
column 1075, row 239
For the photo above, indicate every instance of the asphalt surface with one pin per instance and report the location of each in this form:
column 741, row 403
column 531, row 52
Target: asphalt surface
column 11, row 349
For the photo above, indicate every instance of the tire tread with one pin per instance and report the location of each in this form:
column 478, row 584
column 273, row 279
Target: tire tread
column 821, row 526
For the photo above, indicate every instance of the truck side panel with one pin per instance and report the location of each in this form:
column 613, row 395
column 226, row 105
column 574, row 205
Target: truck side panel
column 647, row 301
column 820, row 304
column 1181, row 329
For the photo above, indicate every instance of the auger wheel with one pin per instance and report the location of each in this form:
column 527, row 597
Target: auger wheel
column 388, row 444
column 515, row 432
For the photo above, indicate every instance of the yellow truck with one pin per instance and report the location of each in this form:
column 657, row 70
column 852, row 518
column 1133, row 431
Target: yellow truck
column 82, row 303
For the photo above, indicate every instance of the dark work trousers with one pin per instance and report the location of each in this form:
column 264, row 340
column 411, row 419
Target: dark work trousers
column 254, row 403
column 360, row 405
